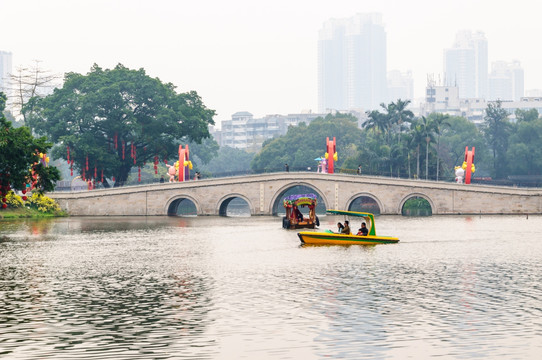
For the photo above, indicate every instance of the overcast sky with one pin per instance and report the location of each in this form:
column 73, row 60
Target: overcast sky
column 256, row 56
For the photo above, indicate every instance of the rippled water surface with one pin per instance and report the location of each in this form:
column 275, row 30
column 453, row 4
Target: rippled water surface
column 243, row 288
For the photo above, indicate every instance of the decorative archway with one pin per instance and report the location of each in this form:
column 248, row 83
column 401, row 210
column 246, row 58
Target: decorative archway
column 224, row 202
column 173, row 204
column 417, row 195
column 365, row 202
column 276, row 201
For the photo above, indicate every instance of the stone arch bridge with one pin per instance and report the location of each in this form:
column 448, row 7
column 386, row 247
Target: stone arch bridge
column 261, row 192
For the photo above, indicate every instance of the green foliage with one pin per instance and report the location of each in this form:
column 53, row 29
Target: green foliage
column 228, row 160
column 19, row 152
column 43, row 203
column 302, row 144
column 90, row 111
column 524, row 152
column 459, row 134
column 497, row 129
column 416, row 206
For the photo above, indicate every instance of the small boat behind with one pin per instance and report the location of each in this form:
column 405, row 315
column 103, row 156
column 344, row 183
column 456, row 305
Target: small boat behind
column 330, row 238
column 294, row 219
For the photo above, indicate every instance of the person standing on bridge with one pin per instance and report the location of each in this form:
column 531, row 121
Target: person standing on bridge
column 286, row 168
column 359, row 169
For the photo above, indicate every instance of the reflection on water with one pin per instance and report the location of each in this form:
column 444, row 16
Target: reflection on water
column 219, row 288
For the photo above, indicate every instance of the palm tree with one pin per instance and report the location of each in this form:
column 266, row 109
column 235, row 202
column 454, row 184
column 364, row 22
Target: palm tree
column 427, row 126
column 417, row 134
column 439, row 122
column 378, row 122
column 400, row 114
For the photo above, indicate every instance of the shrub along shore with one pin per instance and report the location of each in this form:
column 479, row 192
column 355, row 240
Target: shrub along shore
column 35, row 206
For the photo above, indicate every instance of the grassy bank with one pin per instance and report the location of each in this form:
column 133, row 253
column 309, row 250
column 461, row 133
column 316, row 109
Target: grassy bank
column 23, row 212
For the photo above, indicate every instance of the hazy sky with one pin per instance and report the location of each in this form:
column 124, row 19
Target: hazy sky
column 247, row 55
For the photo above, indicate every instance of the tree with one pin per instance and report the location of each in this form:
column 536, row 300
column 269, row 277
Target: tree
column 427, row 126
column 115, row 119
column 526, row 115
column 497, row 129
column 302, row 144
column 417, row 133
column 400, row 114
column 19, row 153
column 524, row 151
column 228, row 161
column 439, row 121
column 29, row 83
column 460, row 134
column 379, row 123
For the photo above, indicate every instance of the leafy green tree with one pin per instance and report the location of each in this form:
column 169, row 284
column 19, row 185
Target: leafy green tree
column 228, row 161
column 526, row 115
column 524, row 151
column 107, row 116
column 19, row 153
column 204, row 152
column 459, row 134
column 302, row 144
column 497, row 129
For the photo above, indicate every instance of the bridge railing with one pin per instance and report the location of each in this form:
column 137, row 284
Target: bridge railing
column 510, row 181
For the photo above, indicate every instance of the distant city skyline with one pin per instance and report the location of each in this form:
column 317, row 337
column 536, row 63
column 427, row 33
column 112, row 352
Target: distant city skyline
column 258, row 57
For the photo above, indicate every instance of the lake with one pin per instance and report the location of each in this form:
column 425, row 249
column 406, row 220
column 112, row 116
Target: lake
column 455, row 287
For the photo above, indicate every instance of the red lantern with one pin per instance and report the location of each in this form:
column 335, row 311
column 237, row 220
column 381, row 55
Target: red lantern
column 4, row 206
column 25, row 198
column 4, row 200
column 24, row 190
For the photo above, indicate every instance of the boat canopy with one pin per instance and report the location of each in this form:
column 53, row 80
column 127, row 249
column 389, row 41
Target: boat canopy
column 369, row 218
column 349, row 213
column 299, row 200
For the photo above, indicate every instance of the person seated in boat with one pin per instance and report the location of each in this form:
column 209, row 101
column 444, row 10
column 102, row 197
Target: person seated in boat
column 363, row 231
column 346, row 228
column 340, row 226
column 298, row 214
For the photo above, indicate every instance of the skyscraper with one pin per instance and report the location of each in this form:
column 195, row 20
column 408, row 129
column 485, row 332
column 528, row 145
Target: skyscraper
column 5, row 70
column 506, row 81
column 466, row 65
column 352, row 63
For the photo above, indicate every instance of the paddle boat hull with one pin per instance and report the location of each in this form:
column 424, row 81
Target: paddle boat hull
column 329, row 238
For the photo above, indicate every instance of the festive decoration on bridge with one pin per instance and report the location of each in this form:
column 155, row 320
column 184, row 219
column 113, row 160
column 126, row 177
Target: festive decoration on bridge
column 465, row 171
column 179, row 171
column 326, row 164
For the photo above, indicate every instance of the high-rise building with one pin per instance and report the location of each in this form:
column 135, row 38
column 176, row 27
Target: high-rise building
column 5, row 70
column 352, row 63
column 400, row 85
column 506, row 81
column 466, row 65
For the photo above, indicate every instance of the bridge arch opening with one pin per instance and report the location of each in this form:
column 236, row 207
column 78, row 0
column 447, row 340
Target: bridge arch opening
column 297, row 189
column 234, row 206
column 416, row 205
column 365, row 203
column 182, row 207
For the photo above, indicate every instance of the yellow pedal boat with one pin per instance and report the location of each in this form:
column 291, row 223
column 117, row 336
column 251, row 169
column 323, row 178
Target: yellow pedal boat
column 330, row 238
